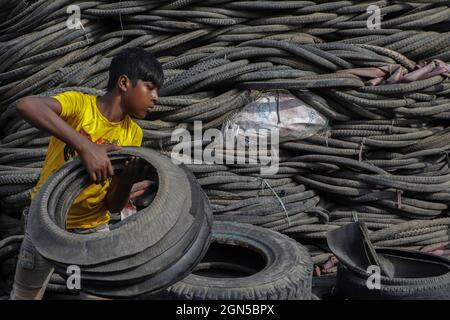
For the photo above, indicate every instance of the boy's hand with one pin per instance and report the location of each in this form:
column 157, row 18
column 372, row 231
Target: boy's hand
column 128, row 185
column 96, row 161
column 139, row 188
column 134, row 170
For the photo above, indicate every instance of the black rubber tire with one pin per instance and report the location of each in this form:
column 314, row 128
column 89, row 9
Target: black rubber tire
column 59, row 245
column 171, row 248
column 176, row 272
column 352, row 283
column 287, row 273
column 126, row 261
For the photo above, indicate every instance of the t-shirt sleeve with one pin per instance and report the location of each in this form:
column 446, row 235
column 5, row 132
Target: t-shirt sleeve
column 72, row 105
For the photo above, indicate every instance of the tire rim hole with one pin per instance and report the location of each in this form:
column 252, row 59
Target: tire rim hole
column 224, row 260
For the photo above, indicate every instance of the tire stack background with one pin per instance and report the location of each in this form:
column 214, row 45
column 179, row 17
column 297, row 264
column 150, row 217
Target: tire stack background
column 384, row 157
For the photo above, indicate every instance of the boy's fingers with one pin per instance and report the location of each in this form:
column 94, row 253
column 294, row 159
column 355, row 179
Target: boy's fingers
column 110, row 169
column 134, row 165
column 136, row 194
column 106, row 173
column 98, row 176
column 125, row 167
column 102, row 175
column 141, row 185
column 93, row 176
column 112, row 147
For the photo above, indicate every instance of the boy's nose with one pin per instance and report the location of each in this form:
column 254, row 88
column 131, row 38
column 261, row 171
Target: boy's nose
column 155, row 97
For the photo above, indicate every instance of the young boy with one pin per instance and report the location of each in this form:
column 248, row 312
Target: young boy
column 90, row 126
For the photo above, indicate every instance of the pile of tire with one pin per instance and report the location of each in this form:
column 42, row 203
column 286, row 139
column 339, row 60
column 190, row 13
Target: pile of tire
column 384, row 157
column 152, row 249
column 240, row 193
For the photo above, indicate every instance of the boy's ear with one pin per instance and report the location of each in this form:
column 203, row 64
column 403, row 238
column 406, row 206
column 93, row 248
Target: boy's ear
column 123, row 83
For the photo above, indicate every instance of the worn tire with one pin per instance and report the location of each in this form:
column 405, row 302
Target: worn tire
column 287, row 274
column 62, row 187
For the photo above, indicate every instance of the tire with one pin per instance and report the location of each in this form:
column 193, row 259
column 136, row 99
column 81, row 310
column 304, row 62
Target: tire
column 280, row 267
column 176, row 272
column 58, row 245
column 148, row 251
column 427, row 278
column 402, row 274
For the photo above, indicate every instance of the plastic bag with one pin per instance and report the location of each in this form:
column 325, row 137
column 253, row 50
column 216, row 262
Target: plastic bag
column 275, row 110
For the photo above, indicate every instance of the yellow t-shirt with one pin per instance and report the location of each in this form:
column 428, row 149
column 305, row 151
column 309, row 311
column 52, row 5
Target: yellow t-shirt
column 80, row 111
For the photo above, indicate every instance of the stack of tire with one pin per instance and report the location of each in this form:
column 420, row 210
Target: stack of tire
column 150, row 250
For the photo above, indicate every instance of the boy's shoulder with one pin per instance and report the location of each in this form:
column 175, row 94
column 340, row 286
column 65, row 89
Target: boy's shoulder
column 73, row 94
column 82, row 97
column 74, row 98
column 135, row 131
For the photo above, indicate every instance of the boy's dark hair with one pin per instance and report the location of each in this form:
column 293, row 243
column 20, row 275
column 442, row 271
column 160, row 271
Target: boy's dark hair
column 137, row 64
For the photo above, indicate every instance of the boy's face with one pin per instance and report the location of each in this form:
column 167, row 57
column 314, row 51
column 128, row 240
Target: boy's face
column 141, row 98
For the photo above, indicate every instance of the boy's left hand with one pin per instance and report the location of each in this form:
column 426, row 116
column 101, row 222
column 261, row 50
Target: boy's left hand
column 139, row 189
column 134, row 170
column 129, row 184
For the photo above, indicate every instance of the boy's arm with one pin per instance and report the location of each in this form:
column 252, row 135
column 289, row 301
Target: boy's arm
column 43, row 113
column 125, row 183
column 118, row 195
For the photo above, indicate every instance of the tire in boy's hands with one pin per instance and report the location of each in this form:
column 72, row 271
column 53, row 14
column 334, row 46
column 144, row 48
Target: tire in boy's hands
column 96, row 161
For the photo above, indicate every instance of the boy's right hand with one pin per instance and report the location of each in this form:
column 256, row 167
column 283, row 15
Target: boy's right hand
column 96, row 161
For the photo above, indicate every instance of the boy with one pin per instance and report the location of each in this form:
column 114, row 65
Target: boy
column 89, row 127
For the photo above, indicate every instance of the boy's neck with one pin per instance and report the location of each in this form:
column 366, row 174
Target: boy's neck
column 110, row 106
